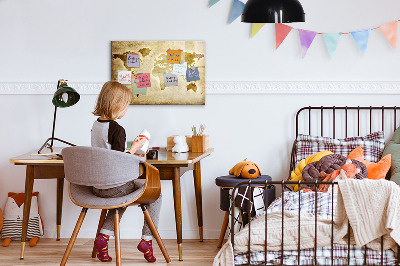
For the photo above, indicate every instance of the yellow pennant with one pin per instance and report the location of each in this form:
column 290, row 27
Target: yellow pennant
column 256, row 28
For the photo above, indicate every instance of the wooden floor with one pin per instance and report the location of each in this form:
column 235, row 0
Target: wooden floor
column 50, row 252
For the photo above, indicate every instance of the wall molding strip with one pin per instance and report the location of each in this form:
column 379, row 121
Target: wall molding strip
column 231, row 87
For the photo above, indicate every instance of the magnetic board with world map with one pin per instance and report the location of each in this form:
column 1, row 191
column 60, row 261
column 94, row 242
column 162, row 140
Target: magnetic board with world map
column 160, row 72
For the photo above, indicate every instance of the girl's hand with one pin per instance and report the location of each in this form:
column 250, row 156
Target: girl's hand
column 137, row 144
column 143, row 155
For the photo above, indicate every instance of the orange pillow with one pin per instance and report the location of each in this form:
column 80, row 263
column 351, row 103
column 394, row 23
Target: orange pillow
column 375, row 170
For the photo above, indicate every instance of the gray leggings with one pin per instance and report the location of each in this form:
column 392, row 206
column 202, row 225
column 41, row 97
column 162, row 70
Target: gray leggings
column 154, row 208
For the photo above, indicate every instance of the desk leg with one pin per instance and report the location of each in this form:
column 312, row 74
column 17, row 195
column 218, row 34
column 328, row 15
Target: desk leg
column 60, row 190
column 199, row 204
column 176, row 182
column 27, row 206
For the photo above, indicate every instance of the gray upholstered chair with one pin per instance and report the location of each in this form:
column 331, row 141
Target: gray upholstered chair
column 85, row 167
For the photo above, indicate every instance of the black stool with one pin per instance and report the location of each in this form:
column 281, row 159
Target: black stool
column 226, row 183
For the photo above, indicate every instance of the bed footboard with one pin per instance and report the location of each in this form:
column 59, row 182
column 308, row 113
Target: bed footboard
column 310, row 254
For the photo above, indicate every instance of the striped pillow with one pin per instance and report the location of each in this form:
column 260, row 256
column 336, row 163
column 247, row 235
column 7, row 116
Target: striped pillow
column 372, row 145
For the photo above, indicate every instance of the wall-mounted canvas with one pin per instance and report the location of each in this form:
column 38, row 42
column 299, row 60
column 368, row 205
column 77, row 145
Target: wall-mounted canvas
column 161, row 72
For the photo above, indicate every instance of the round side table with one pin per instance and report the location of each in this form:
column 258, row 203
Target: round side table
column 228, row 182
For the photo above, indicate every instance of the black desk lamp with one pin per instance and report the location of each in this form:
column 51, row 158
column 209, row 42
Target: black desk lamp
column 65, row 96
column 273, row 11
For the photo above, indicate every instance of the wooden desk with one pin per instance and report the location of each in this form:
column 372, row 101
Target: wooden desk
column 169, row 165
column 40, row 167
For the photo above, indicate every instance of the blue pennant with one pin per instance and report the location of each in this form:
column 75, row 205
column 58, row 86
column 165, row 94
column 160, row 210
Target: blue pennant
column 361, row 38
column 237, row 9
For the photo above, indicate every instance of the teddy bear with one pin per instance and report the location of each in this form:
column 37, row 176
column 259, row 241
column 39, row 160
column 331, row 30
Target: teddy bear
column 180, row 144
column 245, row 169
column 13, row 215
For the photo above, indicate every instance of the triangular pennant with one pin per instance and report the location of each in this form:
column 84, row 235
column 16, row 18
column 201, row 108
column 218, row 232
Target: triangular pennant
column 256, row 27
column 237, row 9
column 361, row 37
column 332, row 41
column 306, row 39
column 281, row 31
column 213, row 2
column 389, row 30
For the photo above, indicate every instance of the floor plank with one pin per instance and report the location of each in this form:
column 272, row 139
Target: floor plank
column 49, row 252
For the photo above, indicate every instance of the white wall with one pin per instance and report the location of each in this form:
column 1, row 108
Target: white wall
column 42, row 41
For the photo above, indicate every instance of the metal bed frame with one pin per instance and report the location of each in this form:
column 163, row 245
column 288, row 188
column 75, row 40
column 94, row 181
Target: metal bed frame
column 283, row 184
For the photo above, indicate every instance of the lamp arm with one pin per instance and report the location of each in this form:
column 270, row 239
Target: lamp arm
column 46, row 143
column 54, row 118
column 54, row 126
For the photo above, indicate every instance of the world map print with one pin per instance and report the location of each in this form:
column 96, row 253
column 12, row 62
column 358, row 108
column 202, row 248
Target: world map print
column 162, row 72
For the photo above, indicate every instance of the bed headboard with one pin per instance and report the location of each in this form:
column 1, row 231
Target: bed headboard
column 344, row 118
column 344, row 121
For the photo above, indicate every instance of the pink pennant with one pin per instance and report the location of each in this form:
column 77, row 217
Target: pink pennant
column 281, row 31
column 306, row 39
column 389, row 30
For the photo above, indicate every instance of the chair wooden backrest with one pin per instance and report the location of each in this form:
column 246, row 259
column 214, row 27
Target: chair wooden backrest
column 152, row 186
column 91, row 166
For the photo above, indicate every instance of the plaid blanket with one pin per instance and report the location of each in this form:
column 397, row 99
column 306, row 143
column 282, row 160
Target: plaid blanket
column 324, row 257
column 323, row 205
column 306, row 201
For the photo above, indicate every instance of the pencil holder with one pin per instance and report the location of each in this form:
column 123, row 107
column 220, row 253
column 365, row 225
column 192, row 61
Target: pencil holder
column 200, row 143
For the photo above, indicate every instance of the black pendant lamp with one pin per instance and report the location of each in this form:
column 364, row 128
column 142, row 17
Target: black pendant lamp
column 273, row 11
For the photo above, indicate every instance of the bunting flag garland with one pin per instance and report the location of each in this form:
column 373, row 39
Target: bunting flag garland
column 237, row 9
column 332, row 41
column 306, row 39
column 256, row 27
column 361, row 38
column 213, row 2
column 281, row 31
column 389, row 30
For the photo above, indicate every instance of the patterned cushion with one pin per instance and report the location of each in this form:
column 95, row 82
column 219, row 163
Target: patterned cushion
column 372, row 144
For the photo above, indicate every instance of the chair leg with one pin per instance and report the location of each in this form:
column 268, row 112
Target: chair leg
column 73, row 237
column 154, row 230
column 223, row 229
column 101, row 222
column 117, row 239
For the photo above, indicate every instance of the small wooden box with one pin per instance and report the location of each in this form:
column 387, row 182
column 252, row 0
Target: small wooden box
column 171, row 143
column 200, row 143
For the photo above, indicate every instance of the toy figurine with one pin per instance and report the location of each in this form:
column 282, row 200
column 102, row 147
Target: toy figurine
column 245, row 169
column 180, row 144
column 13, row 215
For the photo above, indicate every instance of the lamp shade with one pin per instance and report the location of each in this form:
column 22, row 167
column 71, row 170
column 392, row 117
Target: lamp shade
column 273, row 11
column 65, row 96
